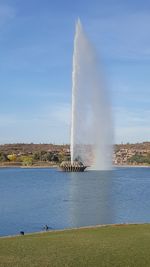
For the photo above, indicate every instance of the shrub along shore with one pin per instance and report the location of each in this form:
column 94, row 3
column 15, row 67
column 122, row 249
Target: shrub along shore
column 115, row 245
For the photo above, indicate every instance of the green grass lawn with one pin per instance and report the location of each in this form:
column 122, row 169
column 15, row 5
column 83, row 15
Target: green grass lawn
column 116, row 246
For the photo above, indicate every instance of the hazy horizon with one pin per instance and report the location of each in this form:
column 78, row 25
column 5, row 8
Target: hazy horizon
column 68, row 144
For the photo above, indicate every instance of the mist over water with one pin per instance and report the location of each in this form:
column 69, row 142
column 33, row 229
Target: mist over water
column 91, row 129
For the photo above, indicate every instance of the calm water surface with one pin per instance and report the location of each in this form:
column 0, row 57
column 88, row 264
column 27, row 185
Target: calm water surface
column 31, row 198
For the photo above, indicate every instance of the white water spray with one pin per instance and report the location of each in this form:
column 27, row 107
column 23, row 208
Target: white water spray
column 91, row 128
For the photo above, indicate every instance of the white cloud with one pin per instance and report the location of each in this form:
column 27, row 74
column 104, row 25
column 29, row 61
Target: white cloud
column 57, row 114
column 131, row 126
column 132, row 134
column 49, row 124
column 126, row 115
column 52, row 124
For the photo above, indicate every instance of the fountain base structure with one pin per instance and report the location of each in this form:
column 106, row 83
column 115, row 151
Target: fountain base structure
column 76, row 166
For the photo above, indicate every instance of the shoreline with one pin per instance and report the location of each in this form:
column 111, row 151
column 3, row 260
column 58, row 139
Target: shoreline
column 57, row 166
column 28, row 167
column 132, row 166
column 75, row 228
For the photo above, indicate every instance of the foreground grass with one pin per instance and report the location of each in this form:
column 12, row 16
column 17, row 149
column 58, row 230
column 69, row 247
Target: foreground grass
column 117, row 246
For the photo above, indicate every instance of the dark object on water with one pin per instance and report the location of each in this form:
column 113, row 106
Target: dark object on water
column 76, row 166
column 21, row 233
column 46, row 227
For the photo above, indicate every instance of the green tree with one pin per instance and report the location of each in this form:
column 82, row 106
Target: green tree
column 12, row 157
column 140, row 159
column 55, row 158
column 37, row 156
column 3, row 157
column 27, row 160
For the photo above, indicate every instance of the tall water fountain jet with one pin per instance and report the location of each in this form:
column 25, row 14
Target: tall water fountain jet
column 91, row 127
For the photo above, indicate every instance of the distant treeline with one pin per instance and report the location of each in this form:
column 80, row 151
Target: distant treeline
column 140, row 159
column 36, row 154
column 30, row 154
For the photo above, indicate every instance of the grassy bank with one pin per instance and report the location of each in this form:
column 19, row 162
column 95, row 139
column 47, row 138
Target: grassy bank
column 117, row 246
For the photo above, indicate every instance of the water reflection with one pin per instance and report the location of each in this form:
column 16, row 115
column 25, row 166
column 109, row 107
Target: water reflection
column 90, row 198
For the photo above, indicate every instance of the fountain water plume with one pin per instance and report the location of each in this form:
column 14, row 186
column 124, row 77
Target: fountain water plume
column 91, row 126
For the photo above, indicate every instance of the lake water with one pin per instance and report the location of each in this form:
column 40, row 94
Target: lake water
column 32, row 198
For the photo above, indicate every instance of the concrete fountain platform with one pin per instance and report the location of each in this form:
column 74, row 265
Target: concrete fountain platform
column 76, row 166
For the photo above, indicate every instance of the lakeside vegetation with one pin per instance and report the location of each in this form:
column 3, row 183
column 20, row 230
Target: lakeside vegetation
column 140, row 159
column 33, row 154
column 45, row 155
column 124, row 245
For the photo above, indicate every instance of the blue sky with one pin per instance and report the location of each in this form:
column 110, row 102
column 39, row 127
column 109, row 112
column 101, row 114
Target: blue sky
column 36, row 45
